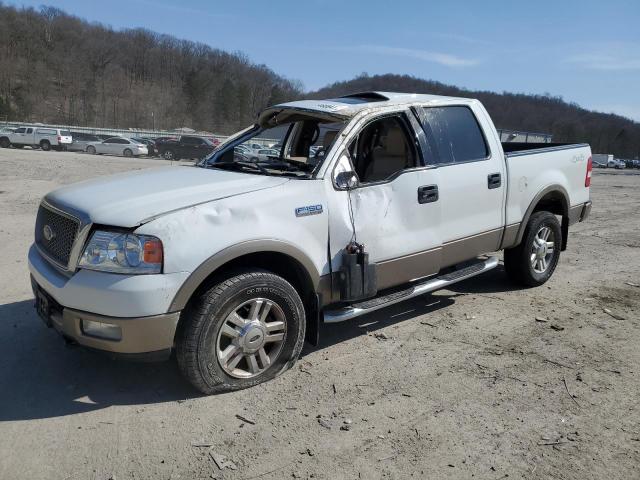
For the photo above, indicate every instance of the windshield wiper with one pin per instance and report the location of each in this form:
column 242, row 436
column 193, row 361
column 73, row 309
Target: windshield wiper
column 250, row 165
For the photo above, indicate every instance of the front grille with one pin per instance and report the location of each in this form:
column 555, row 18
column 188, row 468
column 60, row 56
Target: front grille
column 56, row 233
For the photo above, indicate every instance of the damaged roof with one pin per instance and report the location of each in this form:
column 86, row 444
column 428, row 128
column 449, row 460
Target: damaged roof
column 349, row 105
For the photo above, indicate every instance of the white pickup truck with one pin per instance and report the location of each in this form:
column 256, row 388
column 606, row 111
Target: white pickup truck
column 45, row 138
column 231, row 263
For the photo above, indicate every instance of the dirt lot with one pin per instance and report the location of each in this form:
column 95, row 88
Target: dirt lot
column 480, row 381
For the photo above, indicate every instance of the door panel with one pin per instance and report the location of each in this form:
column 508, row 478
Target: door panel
column 397, row 231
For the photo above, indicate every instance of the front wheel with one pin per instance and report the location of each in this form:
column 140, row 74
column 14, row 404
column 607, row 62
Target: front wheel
column 91, row 149
column 533, row 261
column 169, row 155
column 241, row 332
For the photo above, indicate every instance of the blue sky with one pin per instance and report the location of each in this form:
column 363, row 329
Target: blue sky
column 586, row 51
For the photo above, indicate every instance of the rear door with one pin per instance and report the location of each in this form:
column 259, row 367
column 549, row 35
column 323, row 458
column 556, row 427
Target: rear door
column 471, row 180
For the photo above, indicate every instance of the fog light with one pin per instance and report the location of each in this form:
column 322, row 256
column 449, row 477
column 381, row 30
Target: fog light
column 107, row 331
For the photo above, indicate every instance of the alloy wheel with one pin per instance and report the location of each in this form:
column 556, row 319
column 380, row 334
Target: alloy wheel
column 251, row 338
column 542, row 249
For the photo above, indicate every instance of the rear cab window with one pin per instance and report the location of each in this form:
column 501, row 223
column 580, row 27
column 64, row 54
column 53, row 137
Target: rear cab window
column 453, row 135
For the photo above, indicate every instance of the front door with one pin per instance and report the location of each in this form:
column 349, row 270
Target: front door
column 395, row 206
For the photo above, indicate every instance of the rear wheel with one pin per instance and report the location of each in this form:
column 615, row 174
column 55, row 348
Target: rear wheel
column 91, row 149
column 533, row 261
column 243, row 331
column 127, row 152
column 169, row 155
column 45, row 145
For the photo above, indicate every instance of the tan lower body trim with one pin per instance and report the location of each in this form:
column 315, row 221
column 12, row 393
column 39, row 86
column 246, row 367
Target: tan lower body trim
column 405, row 269
column 411, row 267
column 467, row 248
column 139, row 335
column 510, row 235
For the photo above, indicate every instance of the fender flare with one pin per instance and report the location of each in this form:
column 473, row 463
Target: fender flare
column 228, row 254
column 564, row 196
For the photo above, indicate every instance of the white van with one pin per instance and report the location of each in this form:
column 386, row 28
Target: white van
column 37, row 137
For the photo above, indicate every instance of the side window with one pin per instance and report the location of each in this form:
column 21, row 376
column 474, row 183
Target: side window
column 453, row 134
column 29, row 130
column 111, row 140
column 382, row 149
column 20, row 130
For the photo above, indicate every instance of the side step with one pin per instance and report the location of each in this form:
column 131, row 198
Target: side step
column 371, row 305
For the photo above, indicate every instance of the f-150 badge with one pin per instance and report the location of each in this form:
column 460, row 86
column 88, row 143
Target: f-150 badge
column 308, row 210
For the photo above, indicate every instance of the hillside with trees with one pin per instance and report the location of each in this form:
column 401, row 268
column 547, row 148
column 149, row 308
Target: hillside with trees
column 57, row 68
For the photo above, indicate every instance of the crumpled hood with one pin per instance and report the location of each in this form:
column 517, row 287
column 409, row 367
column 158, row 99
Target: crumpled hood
column 131, row 198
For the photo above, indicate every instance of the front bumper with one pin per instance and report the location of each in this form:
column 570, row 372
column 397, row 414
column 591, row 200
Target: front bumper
column 135, row 305
column 138, row 337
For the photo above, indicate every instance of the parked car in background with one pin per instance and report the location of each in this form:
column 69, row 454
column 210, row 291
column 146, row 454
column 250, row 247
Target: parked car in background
column 263, row 155
column 118, row 146
column 7, row 130
column 81, row 140
column 617, row 164
column 37, row 137
column 187, row 146
column 151, row 145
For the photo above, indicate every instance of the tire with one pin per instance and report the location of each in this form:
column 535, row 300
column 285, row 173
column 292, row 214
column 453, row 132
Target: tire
column 533, row 266
column 169, row 155
column 209, row 318
column 4, row 142
column 127, row 153
column 91, row 149
column 45, row 145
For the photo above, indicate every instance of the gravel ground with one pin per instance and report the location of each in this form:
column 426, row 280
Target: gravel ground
column 481, row 380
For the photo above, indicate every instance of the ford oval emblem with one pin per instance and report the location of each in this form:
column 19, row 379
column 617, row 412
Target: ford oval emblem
column 48, row 233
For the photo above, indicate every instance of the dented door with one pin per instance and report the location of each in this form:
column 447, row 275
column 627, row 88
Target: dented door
column 398, row 229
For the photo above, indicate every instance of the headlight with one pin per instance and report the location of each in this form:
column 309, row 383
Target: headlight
column 122, row 253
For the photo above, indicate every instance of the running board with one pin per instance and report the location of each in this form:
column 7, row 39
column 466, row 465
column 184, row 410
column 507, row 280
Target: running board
column 371, row 305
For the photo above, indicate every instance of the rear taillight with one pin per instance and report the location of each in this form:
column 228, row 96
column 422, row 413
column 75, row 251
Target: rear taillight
column 587, row 178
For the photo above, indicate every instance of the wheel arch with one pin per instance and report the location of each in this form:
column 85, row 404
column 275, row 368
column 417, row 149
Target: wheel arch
column 554, row 199
column 279, row 257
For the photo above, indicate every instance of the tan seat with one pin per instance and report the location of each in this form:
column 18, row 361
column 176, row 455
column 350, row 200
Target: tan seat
column 387, row 158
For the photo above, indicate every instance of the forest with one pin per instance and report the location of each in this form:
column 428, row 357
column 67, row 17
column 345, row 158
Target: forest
column 58, row 68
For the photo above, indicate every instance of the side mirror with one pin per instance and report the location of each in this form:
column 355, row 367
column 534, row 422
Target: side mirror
column 346, row 180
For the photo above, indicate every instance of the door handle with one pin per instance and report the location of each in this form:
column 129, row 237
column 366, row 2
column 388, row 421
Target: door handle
column 428, row 194
column 494, row 180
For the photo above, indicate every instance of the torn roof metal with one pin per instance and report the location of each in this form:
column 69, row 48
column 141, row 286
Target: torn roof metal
column 349, row 105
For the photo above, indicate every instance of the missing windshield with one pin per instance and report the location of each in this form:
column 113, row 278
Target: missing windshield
column 296, row 147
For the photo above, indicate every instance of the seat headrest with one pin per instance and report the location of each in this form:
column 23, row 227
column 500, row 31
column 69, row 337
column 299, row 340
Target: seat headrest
column 395, row 142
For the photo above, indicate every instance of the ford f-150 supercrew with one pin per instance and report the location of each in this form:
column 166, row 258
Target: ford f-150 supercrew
column 367, row 200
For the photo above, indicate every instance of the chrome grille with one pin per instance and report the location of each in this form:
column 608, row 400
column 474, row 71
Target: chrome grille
column 56, row 233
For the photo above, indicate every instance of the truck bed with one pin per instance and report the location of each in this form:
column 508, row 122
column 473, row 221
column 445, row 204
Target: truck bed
column 534, row 168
